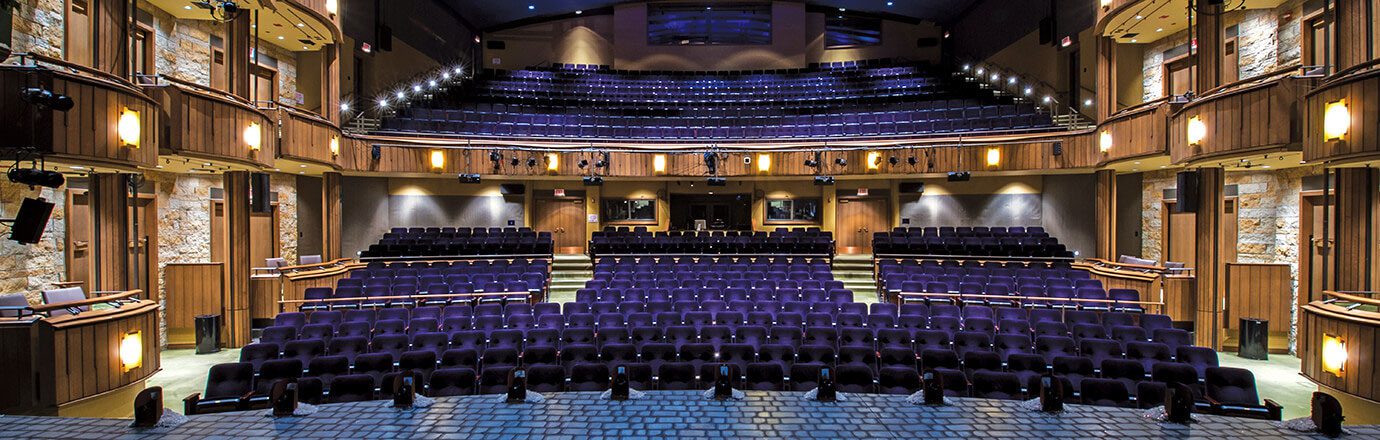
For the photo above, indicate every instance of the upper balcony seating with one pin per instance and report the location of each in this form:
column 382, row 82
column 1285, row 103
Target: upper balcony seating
column 621, row 240
column 902, row 100
column 451, row 241
column 984, row 241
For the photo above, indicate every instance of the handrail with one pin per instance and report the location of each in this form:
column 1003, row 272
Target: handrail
column 208, row 92
column 1127, row 112
column 1029, row 298
column 457, row 257
column 38, row 57
column 1236, row 88
column 1351, row 297
column 111, row 298
column 82, row 73
column 322, row 265
column 1119, row 265
column 967, row 257
column 1278, row 71
column 392, row 297
column 1344, row 74
column 307, row 114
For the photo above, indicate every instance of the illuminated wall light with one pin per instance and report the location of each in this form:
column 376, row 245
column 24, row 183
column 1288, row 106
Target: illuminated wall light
column 1334, row 355
column 763, row 162
column 128, row 128
column 874, row 160
column 659, row 164
column 1104, row 143
column 438, row 160
column 131, row 350
column 1106, row 3
column 993, row 156
column 553, row 162
column 333, row 6
column 1336, row 120
column 335, row 146
column 254, row 136
column 1197, row 130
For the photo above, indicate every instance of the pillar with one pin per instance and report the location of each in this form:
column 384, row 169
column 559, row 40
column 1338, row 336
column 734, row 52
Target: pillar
column 1208, row 264
column 1354, row 230
column 1207, row 28
column 1106, row 214
column 237, row 264
column 239, row 42
column 1106, row 78
column 109, row 198
column 330, row 216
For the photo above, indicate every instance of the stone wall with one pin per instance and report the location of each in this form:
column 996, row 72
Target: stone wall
column 1153, row 72
column 285, row 185
column 1266, row 39
column 184, row 46
column 38, row 27
column 1267, row 217
column 29, row 269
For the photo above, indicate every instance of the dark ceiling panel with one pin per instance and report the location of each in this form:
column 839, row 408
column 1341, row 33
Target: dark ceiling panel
column 487, row 14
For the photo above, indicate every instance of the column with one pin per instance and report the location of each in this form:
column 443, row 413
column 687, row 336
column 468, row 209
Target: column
column 1106, row 214
column 1353, row 230
column 330, row 216
column 1207, row 28
column 1208, row 262
column 109, row 198
column 237, row 264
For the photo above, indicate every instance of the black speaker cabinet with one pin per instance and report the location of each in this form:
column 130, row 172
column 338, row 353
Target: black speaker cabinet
column 517, row 386
column 620, row 387
column 933, row 387
column 404, row 387
column 1178, row 403
column 826, row 392
column 723, row 382
column 1051, row 394
column 148, row 407
column 1188, row 192
column 258, row 193
column 30, row 221
column 911, row 187
column 1327, row 414
column 512, row 189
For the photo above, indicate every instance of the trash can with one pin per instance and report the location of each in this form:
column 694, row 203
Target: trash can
column 1254, row 339
column 207, row 334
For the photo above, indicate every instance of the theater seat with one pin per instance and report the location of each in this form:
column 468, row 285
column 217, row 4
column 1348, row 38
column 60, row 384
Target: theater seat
column 452, row 382
column 228, row 387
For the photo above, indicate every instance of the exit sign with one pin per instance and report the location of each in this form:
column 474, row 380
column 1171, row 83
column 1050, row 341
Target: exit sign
column 559, row 192
column 862, row 192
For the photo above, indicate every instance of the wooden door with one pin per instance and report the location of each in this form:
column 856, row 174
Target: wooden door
column 79, row 42
column 1179, row 232
column 78, row 247
column 1230, row 64
column 220, row 76
column 143, row 246
column 263, row 235
column 565, row 219
column 858, row 219
column 265, row 85
column 1313, row 247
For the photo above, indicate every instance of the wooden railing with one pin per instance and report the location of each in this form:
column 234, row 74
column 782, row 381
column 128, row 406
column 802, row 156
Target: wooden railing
column 296, row 304
column 1136, row 132
column 1254, row 115
column 1350, row 317
column 1355, row 85
column 206, row 123
column 307, row 137
column 1028, row 301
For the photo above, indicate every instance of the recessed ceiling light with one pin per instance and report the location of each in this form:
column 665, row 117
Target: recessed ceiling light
column 301, row 24
column 1133, row 40
column 188, row 7
column 890, row 3
column 531, row 7
column 280, row 37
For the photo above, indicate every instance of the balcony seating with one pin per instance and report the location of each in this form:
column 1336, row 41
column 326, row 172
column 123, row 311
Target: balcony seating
column 995, row 241
column 621, row 241
column 461, row 241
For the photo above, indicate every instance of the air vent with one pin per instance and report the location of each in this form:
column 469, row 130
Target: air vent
column 1131, row 35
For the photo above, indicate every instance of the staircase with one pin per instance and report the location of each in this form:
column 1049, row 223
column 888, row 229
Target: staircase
column 855, row 270
column 569, row 272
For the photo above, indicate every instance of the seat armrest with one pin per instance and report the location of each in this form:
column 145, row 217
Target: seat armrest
column 1276, row 410
column 189, row 403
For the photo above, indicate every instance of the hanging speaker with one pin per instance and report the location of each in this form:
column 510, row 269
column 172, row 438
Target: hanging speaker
column 1047, row 30
column 258, row 193
column 31, row 220
column 512, row 189
column 148, row 407
column 1188, row 192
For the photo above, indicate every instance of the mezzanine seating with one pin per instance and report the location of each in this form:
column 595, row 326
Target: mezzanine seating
column 459, row 241
column 1032, row 283
column 382, row 284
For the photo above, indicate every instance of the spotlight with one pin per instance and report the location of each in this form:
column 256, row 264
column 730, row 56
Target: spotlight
column 495, row 158
column 843, row 162
column 711, row 162
column 469, row 178
column 593, row 181
column 603, row 161
column 582, row 163
column 47, row 99
column 717, row 181
column 531, row 162
column 912, row 161
column 893, row 160
column 960, row 176
column 514, row 161
column 37, row 177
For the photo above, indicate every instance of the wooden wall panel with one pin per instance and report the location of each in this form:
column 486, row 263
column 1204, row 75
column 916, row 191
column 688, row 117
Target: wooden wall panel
column 1355, row 25
column 331, row 223
column 1136, row 132
column 1354, row 229
column 306, row 137
column 1361, row 90
column 109, row 199
column 1105, row 213
column 1359, row 330
column 1247, row 118
column 1180, row 297
column 192, row 289
column 88, row 131
column 1209, row 258
column 1262, row 291
column 295, row 284
column 237, row 259
column 210, row 124
column 264, row 293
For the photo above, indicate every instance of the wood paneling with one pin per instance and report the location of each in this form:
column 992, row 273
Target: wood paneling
column 52, row 362
column 1136, row 132
column 858, row 219
column 1361, row 90
column 1207, row 35
column 1180, row 297
column 1261, row 291
column 1252, row 116
column 1355, row 24
column 330, row 216
column 1359, row 329
column 192, row 289
column 1353, row 258
column 1105, row 213
column 296, row 282
column 237, row 258
column 1209, row 257
column 109, row 202
column 88, row 132
column 264, row 293
column 306, row 137
column 210, row 124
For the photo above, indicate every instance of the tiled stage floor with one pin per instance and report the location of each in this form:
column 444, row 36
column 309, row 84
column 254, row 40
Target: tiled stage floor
column 677, row 414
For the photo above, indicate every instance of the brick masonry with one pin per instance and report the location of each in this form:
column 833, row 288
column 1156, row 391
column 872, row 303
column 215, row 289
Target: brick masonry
column 676, row 414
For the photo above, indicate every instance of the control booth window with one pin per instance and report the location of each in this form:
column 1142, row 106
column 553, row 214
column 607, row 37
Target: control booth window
column 630, row 210
column 787, row 211
column 732, row 24
column 842, row 30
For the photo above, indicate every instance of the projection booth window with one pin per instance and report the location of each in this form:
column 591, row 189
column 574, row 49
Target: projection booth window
column 841, row 30
column 792, row 211
column 737, row 24
column 630, row 210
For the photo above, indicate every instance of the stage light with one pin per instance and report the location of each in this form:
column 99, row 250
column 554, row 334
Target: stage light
column 1197, row 130
column 912, row 161
column 438, row 160
column 1104, row 142
column 659, row 164
column 253, row 136
column 711, row 162
column 824, row 180
column 335, row 146
column 496, row 158
column 763, row 162
column 593, row 180
column 531, row 162
column 1334, row 355
column 131, row 350
column 960, row 176
column 514, row 161
column 1336, row 120
column 874, row 160
column 128, row 128
column 893, row 160
column 47, row 99
column 383, row 103
column 993, row 156
column 344, row 107
column 582, row 163
column 553, row 162
column 840, row 161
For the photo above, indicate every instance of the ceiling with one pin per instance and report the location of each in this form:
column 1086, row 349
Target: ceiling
column 488, row 14
column 284, row 25
column 1149, row 21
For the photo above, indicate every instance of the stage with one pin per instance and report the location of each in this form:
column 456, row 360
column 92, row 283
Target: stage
column 675, row 414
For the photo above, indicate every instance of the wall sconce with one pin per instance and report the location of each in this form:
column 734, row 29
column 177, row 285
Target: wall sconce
column 1334, row 354
column 333, row 6
column 659, row 164
column 553, row 162
column 993, row 156
column 131, row 351
column 335, row 146
column 128, row 128
column 1336, row 120
column 763, row 162
column 1106, row 4
column 1104, row 143
column 1197, row 130
column 438, row 160
column 874, row 160
column 253, row 136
